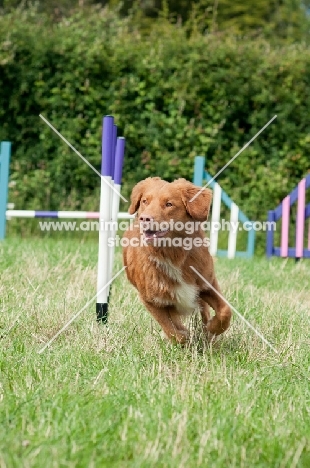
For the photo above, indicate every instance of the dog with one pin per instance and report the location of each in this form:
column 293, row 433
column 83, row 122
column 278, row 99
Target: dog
column 167, row 258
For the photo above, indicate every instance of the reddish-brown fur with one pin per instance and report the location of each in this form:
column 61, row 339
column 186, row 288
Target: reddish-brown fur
column 168, row 287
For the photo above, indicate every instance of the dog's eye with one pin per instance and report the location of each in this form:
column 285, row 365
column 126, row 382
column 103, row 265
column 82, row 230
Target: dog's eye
column 168, row 204
column 144, row 201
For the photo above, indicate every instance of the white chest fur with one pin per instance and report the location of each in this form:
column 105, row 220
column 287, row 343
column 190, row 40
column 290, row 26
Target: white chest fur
column 185, row 295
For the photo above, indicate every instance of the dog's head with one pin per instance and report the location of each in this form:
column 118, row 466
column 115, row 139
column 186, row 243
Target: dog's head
column 160, row 205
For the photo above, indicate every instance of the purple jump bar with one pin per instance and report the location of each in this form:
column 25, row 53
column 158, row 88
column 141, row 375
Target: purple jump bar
column 119, row 159
column 46, row 214
column 55, row 214
column 107, row 146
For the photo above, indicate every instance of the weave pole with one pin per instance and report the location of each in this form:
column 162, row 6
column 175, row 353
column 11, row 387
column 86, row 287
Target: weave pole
column 110, row 228
column 113, row 149
column 108, row 148
column 117, row 180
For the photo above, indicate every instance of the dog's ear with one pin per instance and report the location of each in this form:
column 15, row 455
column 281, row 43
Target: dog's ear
column 197, row 201
column 136, row 196
column 137, row 193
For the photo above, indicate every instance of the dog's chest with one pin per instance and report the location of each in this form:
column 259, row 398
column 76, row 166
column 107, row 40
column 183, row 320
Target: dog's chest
column 171, row 284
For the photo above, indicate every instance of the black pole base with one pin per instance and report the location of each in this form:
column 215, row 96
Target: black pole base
column 102, row 312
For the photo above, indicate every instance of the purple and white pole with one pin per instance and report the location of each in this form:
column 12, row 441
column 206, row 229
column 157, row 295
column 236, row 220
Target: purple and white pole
column 108, row 148
column 113, row 194
column 118, row 169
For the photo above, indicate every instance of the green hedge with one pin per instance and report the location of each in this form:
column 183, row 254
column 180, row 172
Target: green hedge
column 173, row 97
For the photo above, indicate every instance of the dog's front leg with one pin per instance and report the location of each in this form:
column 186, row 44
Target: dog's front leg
column 221, row 321
column 170, row 321
column 204, row 312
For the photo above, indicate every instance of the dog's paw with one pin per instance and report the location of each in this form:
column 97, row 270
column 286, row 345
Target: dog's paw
column 180, row 337
column 216, row 327
column 210, row 337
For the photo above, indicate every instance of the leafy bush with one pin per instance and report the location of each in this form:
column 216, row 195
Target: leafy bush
column 173, row 97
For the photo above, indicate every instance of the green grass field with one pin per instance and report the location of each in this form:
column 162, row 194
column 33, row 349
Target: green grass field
column 122, row 396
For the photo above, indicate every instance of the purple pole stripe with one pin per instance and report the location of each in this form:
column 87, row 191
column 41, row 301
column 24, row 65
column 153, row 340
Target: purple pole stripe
column 46, row 214
column 114, row 150
column 286, row 205
column 270, row 235
column 107, row 145
column 119, row 159
column 300, row 226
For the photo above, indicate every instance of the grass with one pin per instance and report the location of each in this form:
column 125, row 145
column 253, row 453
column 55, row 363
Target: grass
column 121, row 396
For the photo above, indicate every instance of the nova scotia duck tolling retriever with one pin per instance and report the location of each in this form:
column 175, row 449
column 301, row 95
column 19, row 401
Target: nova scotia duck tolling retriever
column 166, row 250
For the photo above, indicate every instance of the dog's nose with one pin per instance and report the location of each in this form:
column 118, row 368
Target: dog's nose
column 145, row 218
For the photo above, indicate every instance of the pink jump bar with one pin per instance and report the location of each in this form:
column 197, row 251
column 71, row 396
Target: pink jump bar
column 300, row 225
column 300, row 222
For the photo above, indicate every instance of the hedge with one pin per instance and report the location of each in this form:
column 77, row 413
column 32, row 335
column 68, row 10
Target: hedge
column 173, row 97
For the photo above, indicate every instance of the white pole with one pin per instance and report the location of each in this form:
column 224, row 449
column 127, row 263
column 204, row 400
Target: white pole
column 105, row 216
column 118, row 169
column 115, row 206
column 232, row 239
column 215, row 221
